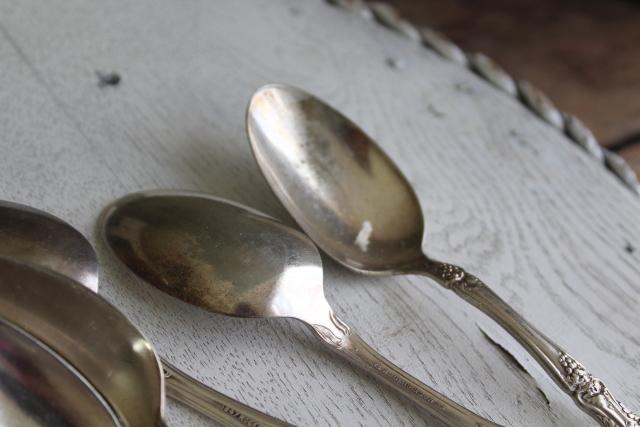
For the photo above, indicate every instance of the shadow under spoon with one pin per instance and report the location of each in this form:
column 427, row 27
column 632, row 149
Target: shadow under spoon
column 354, row 202
column 29, row 235
column 232, row 260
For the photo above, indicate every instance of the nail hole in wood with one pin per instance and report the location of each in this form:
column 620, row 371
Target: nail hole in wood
column 108, row 79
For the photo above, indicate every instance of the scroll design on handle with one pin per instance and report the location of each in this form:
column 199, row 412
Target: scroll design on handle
column 329, row 336
column 594, row 395
column 340, row 338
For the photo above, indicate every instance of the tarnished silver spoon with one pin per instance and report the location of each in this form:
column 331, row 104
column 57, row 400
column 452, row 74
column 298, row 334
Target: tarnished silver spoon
column 38, row 388
column 230, row 259
column 94, row 339
column 36, row 237
column 353, row 201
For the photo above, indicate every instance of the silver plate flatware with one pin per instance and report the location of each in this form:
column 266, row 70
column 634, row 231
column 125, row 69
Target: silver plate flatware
column 90, row 335
column 232, row 260
column 33, row 236
column 353, row 201
column 40, row 389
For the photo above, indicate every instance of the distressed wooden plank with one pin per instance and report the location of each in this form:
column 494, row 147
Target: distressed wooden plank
column 504, row 194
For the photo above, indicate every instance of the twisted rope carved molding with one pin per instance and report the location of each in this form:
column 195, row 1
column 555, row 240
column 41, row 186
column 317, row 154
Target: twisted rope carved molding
column 486, row 68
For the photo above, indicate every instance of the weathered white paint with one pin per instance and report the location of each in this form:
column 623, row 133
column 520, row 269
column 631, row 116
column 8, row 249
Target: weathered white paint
column 505, row 195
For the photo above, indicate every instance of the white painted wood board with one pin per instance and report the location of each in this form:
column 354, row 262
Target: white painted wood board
column 505, row 195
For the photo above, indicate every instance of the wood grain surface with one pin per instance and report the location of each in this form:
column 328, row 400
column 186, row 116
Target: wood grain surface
column 504, row 195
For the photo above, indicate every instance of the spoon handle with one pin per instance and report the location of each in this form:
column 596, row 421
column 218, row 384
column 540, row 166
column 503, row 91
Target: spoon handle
column 339, row 338
column 213, row 404
column 588, row 392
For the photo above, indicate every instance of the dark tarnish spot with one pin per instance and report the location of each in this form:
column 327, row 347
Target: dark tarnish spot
column 173, row 277
column 164, row 280
column 357, row 141
column 108, row 79
column 360, row 145
column 244, row 310
column 629, row 248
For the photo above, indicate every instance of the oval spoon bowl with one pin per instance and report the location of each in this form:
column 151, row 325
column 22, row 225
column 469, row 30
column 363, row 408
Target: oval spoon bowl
column 338, row 185
column 230, row 259
column 31, row 235
column 332, row 177
column 90, row 334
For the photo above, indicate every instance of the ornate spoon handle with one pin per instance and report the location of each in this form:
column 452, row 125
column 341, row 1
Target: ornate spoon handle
column 213, row 404
column 350, row 346
column 588, row 392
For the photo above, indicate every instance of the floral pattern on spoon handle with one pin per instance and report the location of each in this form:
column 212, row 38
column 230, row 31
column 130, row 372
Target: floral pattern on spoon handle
column 589, row 393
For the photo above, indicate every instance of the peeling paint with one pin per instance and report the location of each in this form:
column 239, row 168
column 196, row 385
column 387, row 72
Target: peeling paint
column 510, row 357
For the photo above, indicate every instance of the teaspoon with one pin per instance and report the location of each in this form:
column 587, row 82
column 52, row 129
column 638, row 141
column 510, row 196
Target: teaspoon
column 232, row 260
column 356, row 205
column 29, row 235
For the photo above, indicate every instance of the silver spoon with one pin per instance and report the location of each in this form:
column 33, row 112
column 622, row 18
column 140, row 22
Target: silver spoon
column 92, row 337
column 33, row 236
column 229, row 259
column 353, row 201
column 41, row 389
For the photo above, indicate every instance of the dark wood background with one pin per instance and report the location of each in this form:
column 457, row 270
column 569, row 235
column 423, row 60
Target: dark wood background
column 584, row 54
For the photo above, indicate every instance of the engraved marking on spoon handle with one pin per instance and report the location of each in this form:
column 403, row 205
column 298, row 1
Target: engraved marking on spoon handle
column 340, row 339
column 588, row 392
column 213, row 404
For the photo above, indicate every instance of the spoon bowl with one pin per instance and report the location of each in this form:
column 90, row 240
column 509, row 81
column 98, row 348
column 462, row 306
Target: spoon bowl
column 88, row 333
column 34, row 237
column 40, row 389
column 233, row 260
column 352, row 191
column 218, row 255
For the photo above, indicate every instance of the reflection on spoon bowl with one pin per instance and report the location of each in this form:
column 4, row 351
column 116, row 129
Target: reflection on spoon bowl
column 353, row 201
column 90, row 335
column 232, row 260
column 29, row 235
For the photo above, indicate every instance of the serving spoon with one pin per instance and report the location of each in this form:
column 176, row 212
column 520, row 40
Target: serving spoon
column 40, row 389
column 29, row 235
column 93, row 338
column 232, row 260
column 354, row 203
